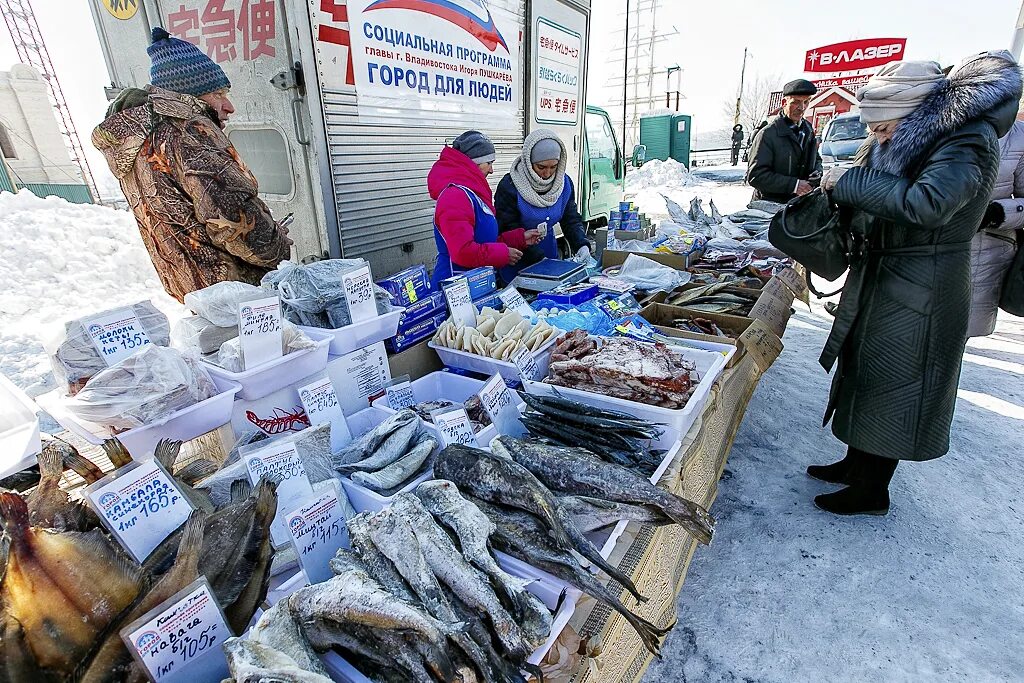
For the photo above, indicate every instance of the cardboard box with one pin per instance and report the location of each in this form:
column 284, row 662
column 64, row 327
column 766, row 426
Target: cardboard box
column 614, row 257
column 662, row 315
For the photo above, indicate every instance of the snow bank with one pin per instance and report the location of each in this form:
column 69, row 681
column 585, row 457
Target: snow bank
column 60, row 261
column 657, row 174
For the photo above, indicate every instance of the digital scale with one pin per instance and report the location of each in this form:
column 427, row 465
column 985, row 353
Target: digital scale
column 549, row 274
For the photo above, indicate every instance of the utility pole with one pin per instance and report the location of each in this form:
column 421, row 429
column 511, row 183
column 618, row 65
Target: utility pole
column 625, row 77
column 739, row 97
column 1018, row 35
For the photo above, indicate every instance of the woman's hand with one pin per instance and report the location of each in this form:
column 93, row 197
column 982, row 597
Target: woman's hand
column 532, row 237
column 513, row 256
column 831, row 177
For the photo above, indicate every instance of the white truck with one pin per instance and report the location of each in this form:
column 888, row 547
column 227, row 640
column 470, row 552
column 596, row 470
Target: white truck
column 342, row 106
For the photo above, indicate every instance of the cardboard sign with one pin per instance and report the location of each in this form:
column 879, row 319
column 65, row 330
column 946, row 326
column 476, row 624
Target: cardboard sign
column 500, row 404
column 794, row 280
column 773, row 306
column 460, row 303
column 363, row 373
column 259, row 331
column 762, row 344
column 514, row 301
column 321, row 403
column 317, row 530
column 453, row 426
column 399, row 393
column 117, row 335
column 282, row 462
column 140, row 504
column 182, row 639
column 359, row 294
column 524, row 360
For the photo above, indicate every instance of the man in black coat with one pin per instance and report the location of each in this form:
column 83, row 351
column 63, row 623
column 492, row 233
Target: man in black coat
column 784, row 160
column 737, row 142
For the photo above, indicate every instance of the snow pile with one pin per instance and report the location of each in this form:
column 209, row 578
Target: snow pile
column 666, row 176
column 60, row 261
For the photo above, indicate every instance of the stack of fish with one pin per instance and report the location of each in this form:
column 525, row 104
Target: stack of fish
column 711, row 299
column 68, row 588
column 611, row 435
column 390, row 455
column 478, row 417
column 497, row 334
column 410, row 602
column 699, row 326
column 518, row 487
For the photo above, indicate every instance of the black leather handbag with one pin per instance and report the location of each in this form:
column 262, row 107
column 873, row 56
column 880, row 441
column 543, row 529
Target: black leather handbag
column 809, row 229
column 1012, row 298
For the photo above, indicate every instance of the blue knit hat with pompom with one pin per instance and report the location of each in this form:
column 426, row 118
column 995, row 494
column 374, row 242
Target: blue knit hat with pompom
column 180, row 66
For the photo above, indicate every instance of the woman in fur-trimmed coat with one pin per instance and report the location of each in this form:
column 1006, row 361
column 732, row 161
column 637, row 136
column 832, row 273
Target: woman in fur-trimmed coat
column 918, row 195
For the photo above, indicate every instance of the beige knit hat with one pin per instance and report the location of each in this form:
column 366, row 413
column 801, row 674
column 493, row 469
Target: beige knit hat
column 897, row 89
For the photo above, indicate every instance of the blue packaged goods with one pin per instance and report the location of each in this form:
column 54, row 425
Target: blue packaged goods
column 570, row 294
column 635, row 327
column 408, row 286
column 416, row 333
column 631, row 225
column 491, row 300
column 428, row 306
column 630, row 216
column 614, row 215
column 482, row 281
column 625, row 206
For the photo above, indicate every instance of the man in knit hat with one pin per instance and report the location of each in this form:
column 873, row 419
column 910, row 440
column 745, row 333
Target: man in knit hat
column 194, row 199
column 784, row 160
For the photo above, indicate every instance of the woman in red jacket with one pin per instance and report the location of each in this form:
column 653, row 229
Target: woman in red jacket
column 465, row 229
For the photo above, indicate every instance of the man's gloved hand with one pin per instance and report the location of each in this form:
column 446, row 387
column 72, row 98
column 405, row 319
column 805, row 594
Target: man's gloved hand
column 995, row 216
column 583, row 255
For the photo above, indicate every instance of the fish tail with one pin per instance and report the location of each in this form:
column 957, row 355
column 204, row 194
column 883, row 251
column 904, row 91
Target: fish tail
column 192, row 539
column 14, row 512
column 196, row 470
column 266, row 500
column 166, row 453
column 81, row 465
column 118, row 454
column 583, row 545
column 51, row 462
column 240, row 490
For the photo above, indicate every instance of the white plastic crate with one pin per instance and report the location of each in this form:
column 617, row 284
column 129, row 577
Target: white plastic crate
column 19, row 429
column 485, row 365
column 266, row 378
column 358, row 335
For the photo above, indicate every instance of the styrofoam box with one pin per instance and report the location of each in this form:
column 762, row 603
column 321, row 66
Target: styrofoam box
column 362, row 498
column 19, row 429
column 267, row 378
column 709, row 368
column 447, row 385
column 182, row 425
column 357, row 335
column 488, row 366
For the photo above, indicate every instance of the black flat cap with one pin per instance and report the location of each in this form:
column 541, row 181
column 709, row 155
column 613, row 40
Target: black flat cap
column 799, row 87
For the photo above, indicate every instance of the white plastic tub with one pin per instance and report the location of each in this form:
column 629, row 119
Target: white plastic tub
column 19, row 429
column 358, row 335
column 709, row 368
column 183, row 425
column 267, row 378
column 488, row 366
column 727, row 350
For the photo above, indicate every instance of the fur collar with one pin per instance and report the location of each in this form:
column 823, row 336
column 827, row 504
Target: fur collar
column 982, row 89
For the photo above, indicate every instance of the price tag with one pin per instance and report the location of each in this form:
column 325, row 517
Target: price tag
column 259, row 331
column 317, row 530
column 794, row 280
column 117, row 335
column 140, row 504
column 761, row 343
column 359, row 293
column 773, row 306
column 454, row 426
column 514, row 301
column 363, row 372
column 542, row 228
column 182, row 639
column 524, row 360
column 281, row 461
column 460, row 303
column 321, row 403
column 399, row 393
column 500, row 404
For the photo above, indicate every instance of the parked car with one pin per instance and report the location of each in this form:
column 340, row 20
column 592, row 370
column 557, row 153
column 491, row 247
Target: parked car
column 842, row 138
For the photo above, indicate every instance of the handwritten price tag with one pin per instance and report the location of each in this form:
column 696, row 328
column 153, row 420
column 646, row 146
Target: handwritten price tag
column 359, row 294
column 282, row 462
column 259, row 331
column 514, row 301
column 317, row 530
column 773, row 306
column 181, row 640
column 400, row 395
column 794, row 280
column 524, row 360
column 141, row 505
column 761, row 343
column 321, row 403
column 460, row 303
column 117, row 335
column 454, row 426
column 500, row 405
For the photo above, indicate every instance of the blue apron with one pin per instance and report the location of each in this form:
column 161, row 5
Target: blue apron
column 485, row 230
column 532, row 216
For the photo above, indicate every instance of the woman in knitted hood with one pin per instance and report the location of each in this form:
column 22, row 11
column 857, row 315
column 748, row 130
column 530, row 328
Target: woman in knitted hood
column 537, row 195
column 917, row 195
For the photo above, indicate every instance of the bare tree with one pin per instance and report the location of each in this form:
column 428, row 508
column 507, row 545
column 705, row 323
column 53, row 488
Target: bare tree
column 757, row 92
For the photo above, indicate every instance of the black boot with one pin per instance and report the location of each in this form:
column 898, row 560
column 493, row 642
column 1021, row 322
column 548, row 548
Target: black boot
column 868, row 492
column 837, row 472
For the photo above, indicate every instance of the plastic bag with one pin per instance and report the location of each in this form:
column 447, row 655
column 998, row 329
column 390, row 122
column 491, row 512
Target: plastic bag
column 218, row 303
column 313, row 294
column 229, row 356
column 74, row 358
column 199, row 333
column 143, row 388
column 648, row 275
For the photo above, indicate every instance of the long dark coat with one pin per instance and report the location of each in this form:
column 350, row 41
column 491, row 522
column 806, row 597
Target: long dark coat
column 778, row 161
column 901, row 327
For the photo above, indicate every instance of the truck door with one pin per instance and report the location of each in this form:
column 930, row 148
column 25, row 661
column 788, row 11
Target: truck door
column 605, row 175
column 558, row 46
column 251, row 41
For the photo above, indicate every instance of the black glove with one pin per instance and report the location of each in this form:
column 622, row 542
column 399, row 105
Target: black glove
column 994, row 216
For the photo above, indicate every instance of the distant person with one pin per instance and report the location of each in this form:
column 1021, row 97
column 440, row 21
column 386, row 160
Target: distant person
column 784, row 160
column 535, row 196
column 737, row 143
column 194, row 199
column 995, row 245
